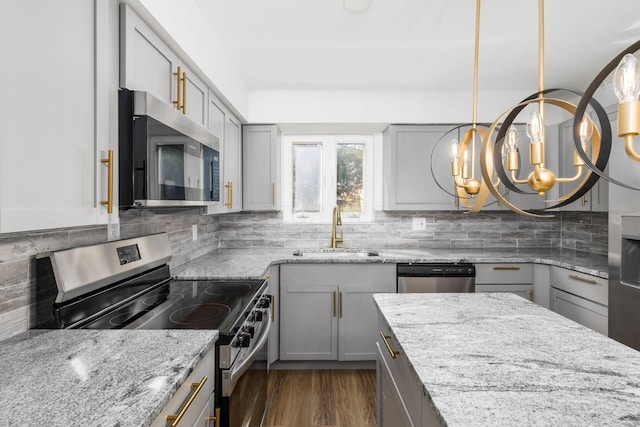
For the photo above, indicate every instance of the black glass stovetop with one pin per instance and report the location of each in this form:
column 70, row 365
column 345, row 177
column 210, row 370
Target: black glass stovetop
column 184, row 304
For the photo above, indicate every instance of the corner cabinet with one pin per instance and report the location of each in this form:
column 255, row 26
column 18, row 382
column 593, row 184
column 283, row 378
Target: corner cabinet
column 148, row 64
column 261, row 147
column 327, row 311
column 57, row 122
column 224, row 125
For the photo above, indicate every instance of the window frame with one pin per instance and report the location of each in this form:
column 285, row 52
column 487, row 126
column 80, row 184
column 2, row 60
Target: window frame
column 328, row 164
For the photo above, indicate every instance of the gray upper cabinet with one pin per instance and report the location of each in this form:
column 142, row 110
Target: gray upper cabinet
column 261, row 148
column 597, row 199
column 408, row 182
column 148, row 64
column 224, row 125
column 57, row 117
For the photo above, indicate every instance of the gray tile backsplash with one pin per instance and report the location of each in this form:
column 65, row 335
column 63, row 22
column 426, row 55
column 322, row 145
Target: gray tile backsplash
column 444, row 229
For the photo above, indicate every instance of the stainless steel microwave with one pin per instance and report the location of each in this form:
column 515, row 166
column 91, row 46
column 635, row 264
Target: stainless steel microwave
column 165, row 159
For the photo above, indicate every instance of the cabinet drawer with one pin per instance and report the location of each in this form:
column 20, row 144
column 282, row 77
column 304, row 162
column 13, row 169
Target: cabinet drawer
column 585, row 312
column 584, row 285
column 512, row 273
column 206, row 368
column 408, row 387
column 338, row 274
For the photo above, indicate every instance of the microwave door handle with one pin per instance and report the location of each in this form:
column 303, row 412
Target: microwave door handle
column 211, row 178
column 237, row 372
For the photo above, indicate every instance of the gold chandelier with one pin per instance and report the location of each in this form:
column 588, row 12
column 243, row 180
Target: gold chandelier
column 541, row 180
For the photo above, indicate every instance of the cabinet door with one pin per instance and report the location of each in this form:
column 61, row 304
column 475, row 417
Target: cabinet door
column 408, row 182
column 55, row 123
column 195, row 98
column 391, row 410
column 274, row 335
column 309, row 322
column 233, row 163
column 261, row 167
column 147, row 64
column 357, row 330
column 583, row 311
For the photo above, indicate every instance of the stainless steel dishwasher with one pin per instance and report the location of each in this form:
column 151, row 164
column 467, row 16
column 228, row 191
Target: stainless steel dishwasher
column 436, row 278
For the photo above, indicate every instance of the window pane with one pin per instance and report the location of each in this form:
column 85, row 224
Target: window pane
column 307, row 162
column 349, row 194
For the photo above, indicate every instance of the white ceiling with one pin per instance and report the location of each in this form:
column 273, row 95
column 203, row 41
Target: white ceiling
column 418, row 44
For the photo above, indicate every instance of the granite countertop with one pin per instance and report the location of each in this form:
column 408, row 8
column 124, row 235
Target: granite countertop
column 99, row 378
column 499, row 360
column 252, row 263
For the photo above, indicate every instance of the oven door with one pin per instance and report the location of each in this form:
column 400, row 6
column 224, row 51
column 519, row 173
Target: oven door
column 244, row 385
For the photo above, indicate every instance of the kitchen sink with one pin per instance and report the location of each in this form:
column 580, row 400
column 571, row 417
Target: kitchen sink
column 335, row 253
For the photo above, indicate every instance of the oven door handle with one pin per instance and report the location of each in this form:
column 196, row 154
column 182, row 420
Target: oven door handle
column 246, row 363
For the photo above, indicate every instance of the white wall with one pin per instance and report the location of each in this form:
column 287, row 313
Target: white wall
column 377, row 106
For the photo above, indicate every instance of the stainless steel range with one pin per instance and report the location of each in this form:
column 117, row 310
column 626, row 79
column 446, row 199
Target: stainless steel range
column 127, row 285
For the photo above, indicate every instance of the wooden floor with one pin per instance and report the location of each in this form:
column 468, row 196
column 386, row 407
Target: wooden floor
column 309, row 398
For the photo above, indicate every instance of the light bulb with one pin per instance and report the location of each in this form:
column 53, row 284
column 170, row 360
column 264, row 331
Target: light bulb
column 586, row 130
column 534, row 127
column 454, row 149
column 626, row 79
column 465, row 156
column 512, row 139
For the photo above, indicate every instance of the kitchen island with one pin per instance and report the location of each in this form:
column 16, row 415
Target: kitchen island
column 98, row 378
column 499, row 360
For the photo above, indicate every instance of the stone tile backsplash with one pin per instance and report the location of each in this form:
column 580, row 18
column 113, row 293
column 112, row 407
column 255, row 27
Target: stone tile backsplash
column 581, row 231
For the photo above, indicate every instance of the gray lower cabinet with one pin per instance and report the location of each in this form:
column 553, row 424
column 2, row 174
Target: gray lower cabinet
column 516, row 278
column 197, row 402
column 327, row 311
column 580, row 297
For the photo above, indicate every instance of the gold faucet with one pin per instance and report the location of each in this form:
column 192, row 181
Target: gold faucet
column 337, row 220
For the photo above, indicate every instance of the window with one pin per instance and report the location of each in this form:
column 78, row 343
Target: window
column 322, row 171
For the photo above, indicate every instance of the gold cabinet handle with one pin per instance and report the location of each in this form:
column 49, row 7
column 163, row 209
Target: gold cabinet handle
column 582, row 279
column 216, row 418
column 176, row 418
column 184, row 92
column 392, row 352
column 273, row 308
column 341, row 305
column 584, row 200
column 179, row 87
column 273, row 193
column 531, row 295
column 506, row 268
column 109, row 162
column 334, row 303
column 229, row 187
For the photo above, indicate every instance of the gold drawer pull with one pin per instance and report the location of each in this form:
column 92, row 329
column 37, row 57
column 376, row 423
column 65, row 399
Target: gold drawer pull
column 392, row 352
column 582, row 279
column 341, row 305
column 216, row 418
column 530, row 294
column 273, row 308
column 507, row 268
column 176, row 418
column 334, row 303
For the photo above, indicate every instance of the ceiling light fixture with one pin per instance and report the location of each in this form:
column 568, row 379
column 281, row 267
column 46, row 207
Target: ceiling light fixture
column 541, row 179
column 356, row 5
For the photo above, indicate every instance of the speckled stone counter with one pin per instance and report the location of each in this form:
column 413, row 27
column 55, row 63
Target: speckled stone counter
column 252, row 263
column 97, row 378
column 499, row 360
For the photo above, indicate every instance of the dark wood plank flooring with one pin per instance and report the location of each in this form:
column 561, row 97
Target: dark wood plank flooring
column 328, row 398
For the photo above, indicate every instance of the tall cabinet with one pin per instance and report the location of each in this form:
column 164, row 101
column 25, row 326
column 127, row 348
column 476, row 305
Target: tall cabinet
column 261, row 167
column 224, row 125
column 56, row 121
